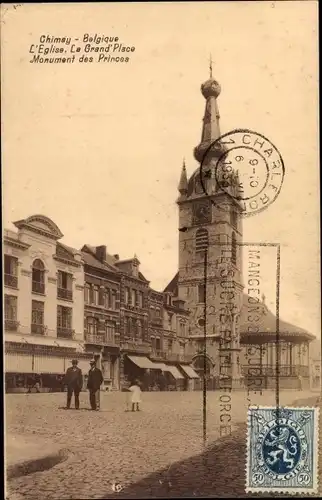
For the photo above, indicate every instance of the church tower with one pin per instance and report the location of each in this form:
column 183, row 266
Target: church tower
column 210, row 256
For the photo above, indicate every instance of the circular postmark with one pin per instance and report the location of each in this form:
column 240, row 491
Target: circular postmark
column 247, row 167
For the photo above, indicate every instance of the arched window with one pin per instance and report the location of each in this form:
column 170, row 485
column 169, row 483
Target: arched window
column 101, row 296
column 233, row 249
column 128, row 326
column 135, row 329
column 38, row 276
column 201, row 294
column 139, row 327
column 86, row 293
column 110, row 328
column 92, row 325
column 199, row 365
column 202, row 240
column 182, row 329
column 91, row 294
column 107, row 298
column 95, row 292
column 113, row 298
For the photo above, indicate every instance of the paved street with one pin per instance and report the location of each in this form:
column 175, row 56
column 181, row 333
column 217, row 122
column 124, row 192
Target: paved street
column 150, row 453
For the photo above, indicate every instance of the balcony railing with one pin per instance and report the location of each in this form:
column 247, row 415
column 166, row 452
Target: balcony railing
column 11, row 325
column 64, row 293
column 270, row 371
column 37, row 329
column 143, row 347
column 157, row 354
column 65, row 333
column 38, row 287
column 11, row 280
column 107, row 339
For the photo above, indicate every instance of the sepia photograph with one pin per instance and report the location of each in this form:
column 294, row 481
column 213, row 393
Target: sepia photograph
column 161, row 250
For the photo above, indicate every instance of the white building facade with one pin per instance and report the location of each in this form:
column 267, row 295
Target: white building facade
column 43, row 305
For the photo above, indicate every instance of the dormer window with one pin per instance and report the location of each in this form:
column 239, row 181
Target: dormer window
column 38, row 277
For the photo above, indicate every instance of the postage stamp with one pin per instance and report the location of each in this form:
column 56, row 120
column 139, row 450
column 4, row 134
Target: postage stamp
column 246, row 166
column 282, row 450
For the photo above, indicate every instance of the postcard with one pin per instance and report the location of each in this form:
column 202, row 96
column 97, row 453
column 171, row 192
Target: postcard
column 161, row 249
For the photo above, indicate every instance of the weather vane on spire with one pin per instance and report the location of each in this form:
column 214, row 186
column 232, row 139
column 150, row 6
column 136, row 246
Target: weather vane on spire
column 210, row 66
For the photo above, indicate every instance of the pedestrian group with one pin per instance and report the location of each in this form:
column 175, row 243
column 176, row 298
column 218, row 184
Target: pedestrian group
column 74, row 381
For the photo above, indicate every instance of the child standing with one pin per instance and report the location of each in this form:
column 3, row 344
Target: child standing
column 136, row 395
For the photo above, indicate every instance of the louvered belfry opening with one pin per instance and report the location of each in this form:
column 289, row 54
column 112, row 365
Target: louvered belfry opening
column 202, row 240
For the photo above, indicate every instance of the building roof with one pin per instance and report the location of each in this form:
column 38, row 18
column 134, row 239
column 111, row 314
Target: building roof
column 266, row 323
column 172, row 287
column 88, row 253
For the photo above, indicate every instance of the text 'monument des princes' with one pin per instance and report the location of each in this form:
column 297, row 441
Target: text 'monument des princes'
column 89, row 48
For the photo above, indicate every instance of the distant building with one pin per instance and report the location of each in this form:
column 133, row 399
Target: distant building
column 134, row 319
column 43, row 304
column 102, row 292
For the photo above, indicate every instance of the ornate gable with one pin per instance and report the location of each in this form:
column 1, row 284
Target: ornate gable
column 40, row 224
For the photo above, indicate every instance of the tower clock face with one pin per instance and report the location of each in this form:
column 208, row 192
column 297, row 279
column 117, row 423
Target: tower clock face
column 202, row 213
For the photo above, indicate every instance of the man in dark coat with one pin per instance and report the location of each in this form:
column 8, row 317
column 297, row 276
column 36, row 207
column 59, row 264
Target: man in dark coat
column 74, row 381
column 95, row 379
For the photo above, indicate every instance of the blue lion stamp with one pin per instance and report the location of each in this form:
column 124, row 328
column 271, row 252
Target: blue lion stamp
column 282, row 450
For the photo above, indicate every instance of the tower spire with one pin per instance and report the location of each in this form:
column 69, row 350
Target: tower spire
column 183, row 183
column 210, row 128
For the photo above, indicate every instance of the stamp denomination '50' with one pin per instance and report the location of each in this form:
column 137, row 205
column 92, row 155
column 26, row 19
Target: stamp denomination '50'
column 282, row 450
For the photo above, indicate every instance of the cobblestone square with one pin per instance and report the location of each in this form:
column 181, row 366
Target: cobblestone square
column 124, row 447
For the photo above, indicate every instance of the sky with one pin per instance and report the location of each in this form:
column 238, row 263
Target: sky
column 99, row 147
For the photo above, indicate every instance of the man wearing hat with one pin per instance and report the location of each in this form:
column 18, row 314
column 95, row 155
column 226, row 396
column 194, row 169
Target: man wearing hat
column 95, row 379
column 74, row 381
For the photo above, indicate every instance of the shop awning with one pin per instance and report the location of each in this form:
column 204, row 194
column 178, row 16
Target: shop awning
column 141, row 361
column 160, row 366
column 41, row 340
column 189, row 371
column 49, row 364
column 18, row 363
column 174, row 372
